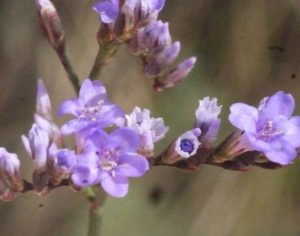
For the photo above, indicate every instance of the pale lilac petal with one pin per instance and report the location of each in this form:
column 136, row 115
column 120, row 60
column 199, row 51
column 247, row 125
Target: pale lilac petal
column 73, row 126
column 26, row 145
column 108, row 11
column 291, row 129
column 89, row 89
column 282, row 152
column 115, row 186
column 132, row 165
column 159, row 4
column 84, row 177
column 111, row 114
column 128, row 140
column 69, row 107
column 279, row 105
column 43, row 105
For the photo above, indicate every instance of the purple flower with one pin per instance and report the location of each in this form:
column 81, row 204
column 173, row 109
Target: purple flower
column 149, row 129
column 207, row 120
column 109, row 160
column 270, row 128
column 108, row 10
column 91, row 109
column 184, row 146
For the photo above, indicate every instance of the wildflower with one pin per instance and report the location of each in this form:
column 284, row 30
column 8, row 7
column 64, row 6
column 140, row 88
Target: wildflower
column 149, row 129
column 91, row 108
column 184, row 146
column 109, row 160
column 108, row 10
column 270, row 128
column 207, row 120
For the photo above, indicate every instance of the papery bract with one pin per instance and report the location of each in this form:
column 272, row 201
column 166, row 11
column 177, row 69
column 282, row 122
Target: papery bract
column 149, row 129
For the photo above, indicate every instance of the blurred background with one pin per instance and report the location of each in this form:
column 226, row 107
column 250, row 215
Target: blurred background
column 246, row 50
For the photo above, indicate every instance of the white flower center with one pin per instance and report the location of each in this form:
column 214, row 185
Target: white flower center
column 266, row 131
column 91, row 113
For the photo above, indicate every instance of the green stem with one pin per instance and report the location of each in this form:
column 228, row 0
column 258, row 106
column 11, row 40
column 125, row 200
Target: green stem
column 104, row 57
column 69, row 69
column 96, row 198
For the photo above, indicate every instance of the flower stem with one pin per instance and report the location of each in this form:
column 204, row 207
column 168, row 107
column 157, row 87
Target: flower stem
column 96, row 200
column 69, row 69
column 104, row 57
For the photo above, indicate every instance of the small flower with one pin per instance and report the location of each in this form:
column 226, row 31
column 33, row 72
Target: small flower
column 110, row 160
column 108, row 10
column 207, row 120
column 149, row 129
column 184, row 146
column 270, row 128
column 91, row 109
column 10, row 170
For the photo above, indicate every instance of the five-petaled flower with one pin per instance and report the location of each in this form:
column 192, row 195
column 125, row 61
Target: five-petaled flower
column 109, row 160
column 270, row 128
column 91, row 108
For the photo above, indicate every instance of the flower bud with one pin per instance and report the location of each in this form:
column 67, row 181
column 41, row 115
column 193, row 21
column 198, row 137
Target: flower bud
column 157, row 64
column 50, row 24
column 10, row 170
column 175, row 76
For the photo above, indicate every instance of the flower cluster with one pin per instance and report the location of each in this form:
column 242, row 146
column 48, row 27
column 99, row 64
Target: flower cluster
column 135, row 23
column 110, row 146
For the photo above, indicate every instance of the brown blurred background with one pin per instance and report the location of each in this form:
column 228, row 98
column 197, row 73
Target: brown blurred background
column 246, row 50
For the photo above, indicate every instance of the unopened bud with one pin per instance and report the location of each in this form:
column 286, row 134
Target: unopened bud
column 10, row 170
column 175, row 76
column 50, row 24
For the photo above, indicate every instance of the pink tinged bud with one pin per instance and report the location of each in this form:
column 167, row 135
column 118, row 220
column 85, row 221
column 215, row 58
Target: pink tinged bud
column 50, row 24
column 10, row 170
column 43, row 105
column 162, row 60
column 184, row 146
column 176, row 75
